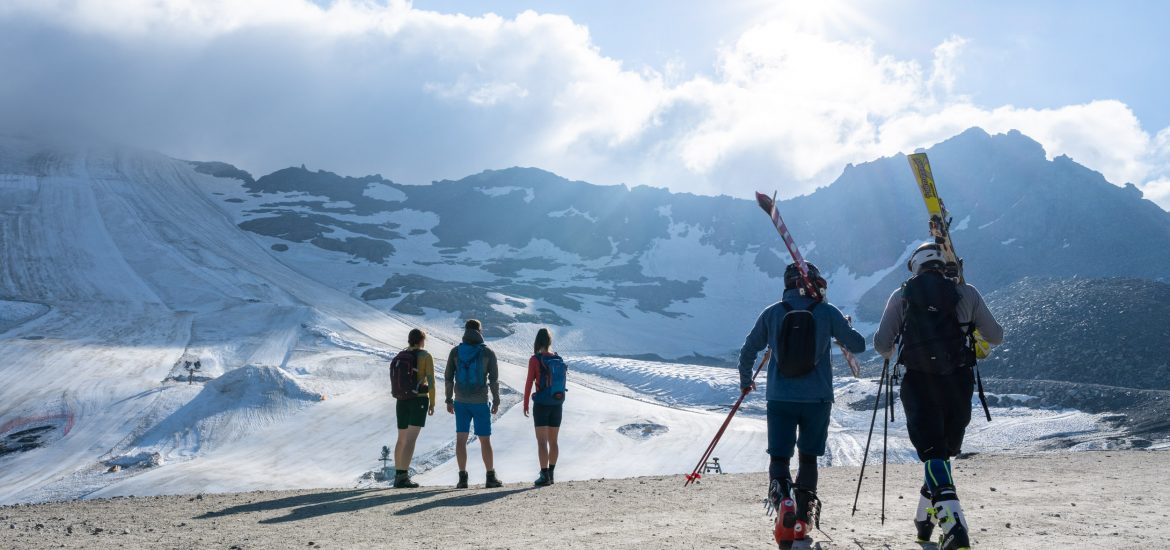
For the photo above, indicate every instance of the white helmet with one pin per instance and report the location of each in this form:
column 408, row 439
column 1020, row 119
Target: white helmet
column 927, row 255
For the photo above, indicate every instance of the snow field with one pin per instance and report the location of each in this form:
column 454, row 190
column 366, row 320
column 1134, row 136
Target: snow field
column 131, row 268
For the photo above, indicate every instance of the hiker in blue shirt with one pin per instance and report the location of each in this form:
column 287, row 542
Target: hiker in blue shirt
column 470, row 373
column 800, row 401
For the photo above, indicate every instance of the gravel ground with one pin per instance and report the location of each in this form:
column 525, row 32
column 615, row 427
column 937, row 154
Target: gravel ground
column 1078, row 500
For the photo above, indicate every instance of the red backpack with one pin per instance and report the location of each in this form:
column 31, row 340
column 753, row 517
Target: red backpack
column 404, row 375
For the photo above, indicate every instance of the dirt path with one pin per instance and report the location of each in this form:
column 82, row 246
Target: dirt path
column 1109, row 500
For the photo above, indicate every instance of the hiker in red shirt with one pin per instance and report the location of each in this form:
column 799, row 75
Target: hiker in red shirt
column 547, row 371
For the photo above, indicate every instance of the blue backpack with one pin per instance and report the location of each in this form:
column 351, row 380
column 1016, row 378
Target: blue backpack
column 551, row 382
column 469, row 373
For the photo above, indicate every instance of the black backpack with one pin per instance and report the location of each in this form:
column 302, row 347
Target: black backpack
column 798, row 342
column 404, row 382
column 933, row 340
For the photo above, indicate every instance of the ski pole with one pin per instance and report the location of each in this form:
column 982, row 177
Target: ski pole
column 695, row 475
column 877, row 403
column 886, row 436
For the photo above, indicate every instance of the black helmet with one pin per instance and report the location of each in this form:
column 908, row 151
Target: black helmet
column 792, row 275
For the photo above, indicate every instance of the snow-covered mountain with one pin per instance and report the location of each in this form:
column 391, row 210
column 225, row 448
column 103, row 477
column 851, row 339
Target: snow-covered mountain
column 116, row 269
column 641, row 270
column 119, row 266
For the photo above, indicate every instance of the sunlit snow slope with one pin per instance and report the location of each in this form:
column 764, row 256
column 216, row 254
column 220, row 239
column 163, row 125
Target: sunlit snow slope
column 115, row 269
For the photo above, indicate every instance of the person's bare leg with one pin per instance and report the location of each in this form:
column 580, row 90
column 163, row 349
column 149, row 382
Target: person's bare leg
column 461, row 450
column 542, row 446
column 485, row 449
column 554, row 451
column 398, row 446
column 408, row 446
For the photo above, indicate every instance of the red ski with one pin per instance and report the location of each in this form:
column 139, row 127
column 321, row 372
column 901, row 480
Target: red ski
column 810, row 287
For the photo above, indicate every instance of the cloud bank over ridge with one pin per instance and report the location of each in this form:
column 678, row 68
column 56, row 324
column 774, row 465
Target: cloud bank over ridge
column 363, row 87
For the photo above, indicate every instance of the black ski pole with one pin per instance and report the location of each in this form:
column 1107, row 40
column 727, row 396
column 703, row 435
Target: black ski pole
column 886, row 436
column 877, row 403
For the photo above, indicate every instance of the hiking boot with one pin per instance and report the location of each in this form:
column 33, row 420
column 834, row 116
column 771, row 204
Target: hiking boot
column 402, row 481
column 543, row 480
column 551, row 469
column 492, row 482
column 952, row 523
column 924, row 518
column 462, row 481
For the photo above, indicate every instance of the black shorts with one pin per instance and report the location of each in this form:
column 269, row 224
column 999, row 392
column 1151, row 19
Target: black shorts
column 412, row 412
column 546, row 415
column 938, row 410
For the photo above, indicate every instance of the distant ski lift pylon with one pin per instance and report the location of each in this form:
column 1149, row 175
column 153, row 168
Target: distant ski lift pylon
column 713, row 466
column 386, row 458
column 192, row 368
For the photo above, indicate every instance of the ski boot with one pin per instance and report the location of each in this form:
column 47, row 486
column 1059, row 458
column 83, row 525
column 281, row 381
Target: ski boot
column 780, row 501
column 462, row 481
column 402, row 481
column 544, row 480
column 951, row 521
column 924, row 519
column 808, row 512
column 492, row 482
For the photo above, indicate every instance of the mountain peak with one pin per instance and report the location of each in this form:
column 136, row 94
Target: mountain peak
column 1014, row 142
column 513, row 174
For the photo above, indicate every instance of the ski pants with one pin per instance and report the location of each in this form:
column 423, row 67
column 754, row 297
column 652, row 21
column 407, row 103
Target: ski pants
column 938, row 410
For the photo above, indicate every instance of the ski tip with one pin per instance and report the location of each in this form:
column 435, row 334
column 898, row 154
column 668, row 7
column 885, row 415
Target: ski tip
column 764, row 201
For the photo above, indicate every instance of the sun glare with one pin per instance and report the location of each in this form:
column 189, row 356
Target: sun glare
column 820, row 16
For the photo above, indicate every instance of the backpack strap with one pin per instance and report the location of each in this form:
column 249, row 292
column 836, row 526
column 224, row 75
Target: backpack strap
column 970, row 334
column 905, row 318
column 787, row 307
column 982, row 397
column 544, row 371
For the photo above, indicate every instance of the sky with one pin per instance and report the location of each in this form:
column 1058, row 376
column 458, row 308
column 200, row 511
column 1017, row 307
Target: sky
column 705, row 97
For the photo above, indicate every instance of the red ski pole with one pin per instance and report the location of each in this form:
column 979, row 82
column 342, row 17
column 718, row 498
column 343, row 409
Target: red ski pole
column 695, row 475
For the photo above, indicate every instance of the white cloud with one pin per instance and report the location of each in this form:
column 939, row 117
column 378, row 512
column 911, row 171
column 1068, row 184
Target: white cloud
column 945, row 67
column 1103, row 135
column 363, row 87
column 1158, row 191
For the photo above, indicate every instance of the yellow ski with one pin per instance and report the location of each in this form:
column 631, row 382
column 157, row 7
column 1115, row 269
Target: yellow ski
column 940, row 220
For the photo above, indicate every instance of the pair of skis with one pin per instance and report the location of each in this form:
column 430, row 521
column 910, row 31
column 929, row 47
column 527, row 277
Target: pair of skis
column 940, row 219
column 768, row 204
column 940, row 230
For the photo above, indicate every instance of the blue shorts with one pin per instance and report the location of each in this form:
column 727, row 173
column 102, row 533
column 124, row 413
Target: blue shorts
column 481, row 413
column 785, row 417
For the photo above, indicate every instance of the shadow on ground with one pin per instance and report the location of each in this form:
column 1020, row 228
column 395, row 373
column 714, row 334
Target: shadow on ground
column 319, row 504
column 459, row 501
